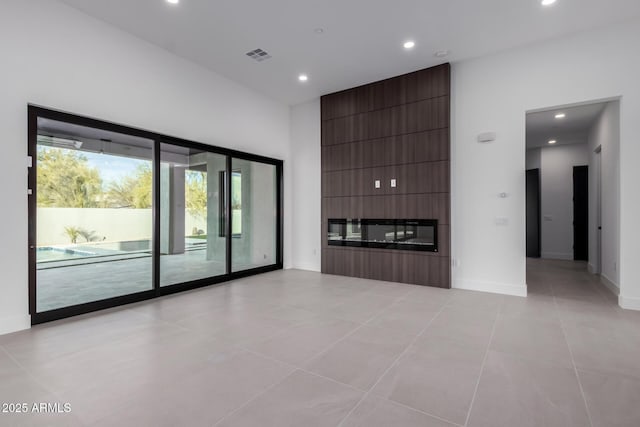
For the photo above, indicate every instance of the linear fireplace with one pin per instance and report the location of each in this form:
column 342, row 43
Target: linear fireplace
column 403, row 234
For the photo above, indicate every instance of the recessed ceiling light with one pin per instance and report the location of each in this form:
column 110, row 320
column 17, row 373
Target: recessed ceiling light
column 553, row 141
column 561, row 116
column 173, row 1
column 409, row 44
column 442, row 53
column 303, row 77
column 319, row 30
column 548, row 2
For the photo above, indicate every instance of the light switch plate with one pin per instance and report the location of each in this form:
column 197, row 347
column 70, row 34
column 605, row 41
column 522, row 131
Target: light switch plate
column 393, row 183
column 377, row 183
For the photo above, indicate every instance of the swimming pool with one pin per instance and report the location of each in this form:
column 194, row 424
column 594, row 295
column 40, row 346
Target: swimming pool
column 48, row 253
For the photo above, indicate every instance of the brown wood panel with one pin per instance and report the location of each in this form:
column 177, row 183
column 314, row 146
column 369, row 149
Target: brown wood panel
column 373, row 207
column 429, row 83
column 346, row 103
column 429, row 114
column 402, row 176
column 400, row 150
column 431, row 145
column 396, row 128
column 388, row 93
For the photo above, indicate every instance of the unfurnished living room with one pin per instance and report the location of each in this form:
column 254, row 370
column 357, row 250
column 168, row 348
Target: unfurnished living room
column 320, row 213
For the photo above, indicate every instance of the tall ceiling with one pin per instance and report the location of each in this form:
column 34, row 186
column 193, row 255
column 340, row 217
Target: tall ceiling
column 361, row 40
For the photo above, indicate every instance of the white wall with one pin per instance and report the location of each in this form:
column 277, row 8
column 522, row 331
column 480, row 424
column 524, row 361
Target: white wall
column 493, row 94
column 606, row 134
column 556, row 197
column 307, row 219
column 57, row 57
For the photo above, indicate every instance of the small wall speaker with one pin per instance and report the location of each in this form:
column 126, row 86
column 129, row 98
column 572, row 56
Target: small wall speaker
column 485, row 138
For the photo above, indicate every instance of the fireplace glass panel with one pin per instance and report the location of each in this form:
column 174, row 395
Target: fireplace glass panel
column 416, row 235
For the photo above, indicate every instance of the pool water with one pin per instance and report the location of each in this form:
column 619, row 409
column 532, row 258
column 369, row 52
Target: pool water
column 59, row 254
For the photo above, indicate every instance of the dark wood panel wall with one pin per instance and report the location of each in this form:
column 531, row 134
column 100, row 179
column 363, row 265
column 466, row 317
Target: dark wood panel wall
column 394, row 129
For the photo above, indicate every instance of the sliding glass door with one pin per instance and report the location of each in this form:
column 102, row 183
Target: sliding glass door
column 254, row 211
column 192, row 239
column 118, row 215
column 93, row 213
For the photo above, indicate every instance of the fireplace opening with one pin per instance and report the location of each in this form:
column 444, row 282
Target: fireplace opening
column 403, row 234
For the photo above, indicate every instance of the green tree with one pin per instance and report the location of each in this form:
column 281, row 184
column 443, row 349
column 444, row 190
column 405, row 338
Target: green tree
column 133, row 191
column 196, row 193
column 65, row 180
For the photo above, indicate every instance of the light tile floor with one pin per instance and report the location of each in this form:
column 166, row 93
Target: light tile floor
column 295, row 348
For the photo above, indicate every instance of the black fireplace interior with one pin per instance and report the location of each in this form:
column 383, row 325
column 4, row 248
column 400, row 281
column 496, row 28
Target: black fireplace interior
column 404, row 234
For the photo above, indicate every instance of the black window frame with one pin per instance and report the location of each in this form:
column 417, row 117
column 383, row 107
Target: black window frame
column 34, row 112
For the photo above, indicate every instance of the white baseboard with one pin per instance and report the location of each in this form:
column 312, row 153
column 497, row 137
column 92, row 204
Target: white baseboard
column 610, row 284
column 14, row 324
column 492, row 287
column 306, row 267
column 557, row 255
column 629, row 303
column 592, row 268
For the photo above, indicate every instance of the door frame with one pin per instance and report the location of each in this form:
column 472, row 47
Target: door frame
column 539, row 211
column 34, row 112
column 585, row 170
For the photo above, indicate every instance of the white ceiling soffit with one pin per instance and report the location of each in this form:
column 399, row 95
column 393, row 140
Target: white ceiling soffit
column 361, row 40
column 543, row 126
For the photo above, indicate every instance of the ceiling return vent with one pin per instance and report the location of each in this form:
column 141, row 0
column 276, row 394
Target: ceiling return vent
column 259, row 55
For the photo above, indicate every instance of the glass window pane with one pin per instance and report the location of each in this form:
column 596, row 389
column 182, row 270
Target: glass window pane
column 192, row 238
column 254, row 214
column 94, row 214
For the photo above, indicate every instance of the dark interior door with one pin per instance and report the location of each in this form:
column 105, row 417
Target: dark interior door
column 533, row 213
column 581, row 213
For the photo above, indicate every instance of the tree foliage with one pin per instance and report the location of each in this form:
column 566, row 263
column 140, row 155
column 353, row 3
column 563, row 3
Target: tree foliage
column 133, row 191
column 65, row 180
column 196, row 193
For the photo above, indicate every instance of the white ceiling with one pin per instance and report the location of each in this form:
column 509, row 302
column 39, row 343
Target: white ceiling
column 362, row 39
column 542, row 126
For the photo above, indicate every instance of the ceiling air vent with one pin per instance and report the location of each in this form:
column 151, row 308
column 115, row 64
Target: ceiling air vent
column 259, row 55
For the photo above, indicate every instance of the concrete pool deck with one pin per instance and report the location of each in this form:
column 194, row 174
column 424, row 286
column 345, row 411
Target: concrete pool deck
column 89, row 281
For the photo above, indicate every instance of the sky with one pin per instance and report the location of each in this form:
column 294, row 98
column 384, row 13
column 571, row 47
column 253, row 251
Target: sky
column 112, row 168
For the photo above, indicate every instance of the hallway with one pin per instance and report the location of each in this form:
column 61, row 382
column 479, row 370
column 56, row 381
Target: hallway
column 603, row 339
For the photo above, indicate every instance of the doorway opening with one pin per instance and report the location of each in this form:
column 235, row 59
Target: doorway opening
column 572, row 189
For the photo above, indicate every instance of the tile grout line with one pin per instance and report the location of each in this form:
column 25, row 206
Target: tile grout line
column 339, row 340
column 573, row 362
column 484, row 361
column 393, row 364
column 420, row 411
column 296, row 368
column 245, row 404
